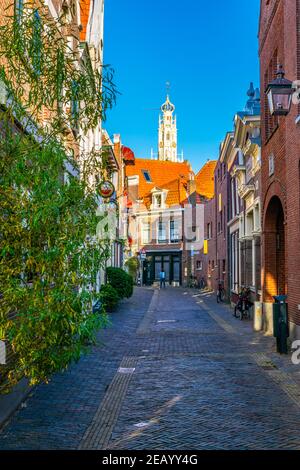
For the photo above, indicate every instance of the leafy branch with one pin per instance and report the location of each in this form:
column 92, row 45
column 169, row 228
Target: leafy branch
column 49, row 256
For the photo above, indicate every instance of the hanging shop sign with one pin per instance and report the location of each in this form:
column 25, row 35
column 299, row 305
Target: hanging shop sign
column 106, row 189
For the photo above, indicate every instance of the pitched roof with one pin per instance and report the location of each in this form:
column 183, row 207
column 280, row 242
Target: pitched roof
column 205, row 179
column 164, row 175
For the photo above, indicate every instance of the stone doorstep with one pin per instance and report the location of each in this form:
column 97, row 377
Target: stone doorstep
column 10, row 402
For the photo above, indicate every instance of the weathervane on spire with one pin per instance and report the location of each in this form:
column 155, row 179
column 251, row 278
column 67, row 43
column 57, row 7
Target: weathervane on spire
column 168, row 86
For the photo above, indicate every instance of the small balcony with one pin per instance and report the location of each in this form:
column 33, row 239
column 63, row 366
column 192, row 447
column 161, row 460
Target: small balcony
column 238, row 169
column 246, row 189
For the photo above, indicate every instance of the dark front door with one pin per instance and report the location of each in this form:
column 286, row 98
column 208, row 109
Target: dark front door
column 176, row 269
column 147, row 278
column 162, row 263
column 170, row 263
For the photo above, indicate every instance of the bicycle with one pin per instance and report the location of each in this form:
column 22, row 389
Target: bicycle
column 243, row 305
column 193, row 283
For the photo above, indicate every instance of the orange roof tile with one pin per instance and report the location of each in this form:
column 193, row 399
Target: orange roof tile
column 164, row 175
column 205, row 179
column 84, row 17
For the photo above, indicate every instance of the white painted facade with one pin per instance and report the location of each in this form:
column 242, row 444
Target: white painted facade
column 91, row 141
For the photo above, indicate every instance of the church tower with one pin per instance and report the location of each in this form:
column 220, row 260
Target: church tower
column 167, row 135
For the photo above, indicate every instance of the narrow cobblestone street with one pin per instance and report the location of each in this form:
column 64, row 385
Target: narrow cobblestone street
column 174, row 370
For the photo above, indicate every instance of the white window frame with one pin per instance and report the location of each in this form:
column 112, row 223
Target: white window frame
column 164, row 223
column 154, row 201
column 143, row 231
column 133, row 180
column 176, row 230
column 237, row 197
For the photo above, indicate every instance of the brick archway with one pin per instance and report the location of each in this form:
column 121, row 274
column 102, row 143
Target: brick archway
column 274, row 250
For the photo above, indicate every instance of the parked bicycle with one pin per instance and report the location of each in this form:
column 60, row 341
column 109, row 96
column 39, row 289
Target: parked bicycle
column 243, row 307
column 193, row 282
column 220, row 293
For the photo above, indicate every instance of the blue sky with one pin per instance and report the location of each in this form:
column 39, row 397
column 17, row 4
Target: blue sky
column 207, row 50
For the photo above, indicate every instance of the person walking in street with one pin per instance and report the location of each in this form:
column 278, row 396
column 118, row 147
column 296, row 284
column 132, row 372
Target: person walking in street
column 162, row 278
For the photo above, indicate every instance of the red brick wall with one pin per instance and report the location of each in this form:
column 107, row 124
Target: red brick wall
column 217, row 246
column 278, row 33
column 221, row 188
column 205, row 272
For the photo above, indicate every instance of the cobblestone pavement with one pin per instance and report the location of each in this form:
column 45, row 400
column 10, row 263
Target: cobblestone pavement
column 174, row 371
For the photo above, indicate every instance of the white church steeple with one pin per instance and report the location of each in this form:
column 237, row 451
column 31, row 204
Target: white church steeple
column 167, row 134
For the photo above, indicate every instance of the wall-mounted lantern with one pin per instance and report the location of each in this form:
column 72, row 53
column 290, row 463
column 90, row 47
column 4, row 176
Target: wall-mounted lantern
column 279, row 93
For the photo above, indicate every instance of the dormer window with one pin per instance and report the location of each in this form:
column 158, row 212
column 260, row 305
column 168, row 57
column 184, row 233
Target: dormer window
column 157, row 201
column 159, row 197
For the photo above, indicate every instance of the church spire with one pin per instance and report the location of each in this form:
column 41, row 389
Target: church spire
column 167, row 134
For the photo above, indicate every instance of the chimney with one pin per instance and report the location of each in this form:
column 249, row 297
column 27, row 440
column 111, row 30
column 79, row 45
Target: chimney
column 192, row 187
column 117, row 139
column 117, row 148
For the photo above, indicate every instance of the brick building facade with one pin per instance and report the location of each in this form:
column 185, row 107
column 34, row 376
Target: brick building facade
column 279, row 44
column 221, row 219
column 244, row 166
column 212, row 260
column 232, row 249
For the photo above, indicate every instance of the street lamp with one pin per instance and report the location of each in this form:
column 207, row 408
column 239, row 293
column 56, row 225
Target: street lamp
column 279, row 93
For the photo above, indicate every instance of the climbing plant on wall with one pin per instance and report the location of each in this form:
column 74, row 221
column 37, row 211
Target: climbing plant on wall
column 49, row 254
